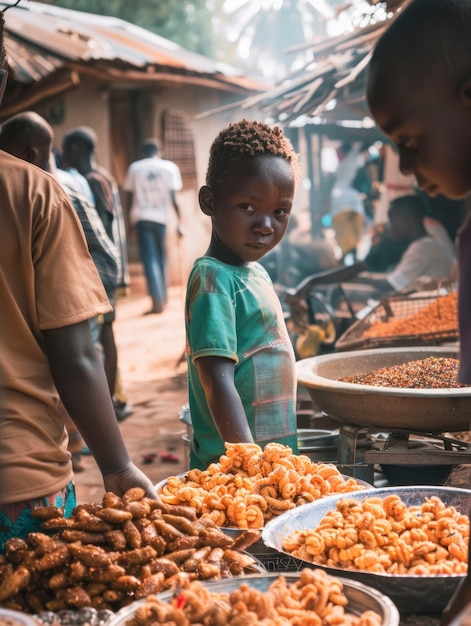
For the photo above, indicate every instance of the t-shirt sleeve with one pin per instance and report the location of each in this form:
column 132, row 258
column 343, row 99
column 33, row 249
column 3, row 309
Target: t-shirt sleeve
column 213, row 327
column 68, row 287
column 407, row 270
column 128, row 184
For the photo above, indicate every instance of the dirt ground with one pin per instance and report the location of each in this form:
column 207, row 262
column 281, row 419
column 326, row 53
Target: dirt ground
column 150, row 350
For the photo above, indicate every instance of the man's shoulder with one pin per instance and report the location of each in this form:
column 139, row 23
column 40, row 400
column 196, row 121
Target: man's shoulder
column 22, row 178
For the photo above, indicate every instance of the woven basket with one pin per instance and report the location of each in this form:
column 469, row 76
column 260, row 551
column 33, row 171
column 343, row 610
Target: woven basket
column 391, row 309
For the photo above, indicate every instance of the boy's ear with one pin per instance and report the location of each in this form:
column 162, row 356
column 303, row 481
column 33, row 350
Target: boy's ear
column 206, row 200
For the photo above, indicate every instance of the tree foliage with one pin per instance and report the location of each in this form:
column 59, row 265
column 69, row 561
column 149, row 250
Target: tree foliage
column 191, row 24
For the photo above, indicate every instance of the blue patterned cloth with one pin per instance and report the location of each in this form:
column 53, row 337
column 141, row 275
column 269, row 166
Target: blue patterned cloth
column 16, row 519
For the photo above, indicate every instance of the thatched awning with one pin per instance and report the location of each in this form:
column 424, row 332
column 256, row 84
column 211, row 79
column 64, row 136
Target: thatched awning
column 332, row 87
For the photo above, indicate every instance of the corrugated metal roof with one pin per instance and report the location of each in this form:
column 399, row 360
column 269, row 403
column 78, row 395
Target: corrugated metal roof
column 41, row 38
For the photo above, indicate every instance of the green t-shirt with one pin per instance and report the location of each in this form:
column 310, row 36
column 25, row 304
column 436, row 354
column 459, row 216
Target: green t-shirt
column 234, row 312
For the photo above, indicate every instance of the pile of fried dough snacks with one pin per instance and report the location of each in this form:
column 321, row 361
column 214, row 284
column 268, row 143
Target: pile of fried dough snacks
column 316, row 599
column 250, row 486
column 386, row 536
column 109, row 554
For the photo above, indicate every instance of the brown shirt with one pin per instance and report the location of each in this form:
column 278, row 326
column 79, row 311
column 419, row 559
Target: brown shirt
column 47, row 280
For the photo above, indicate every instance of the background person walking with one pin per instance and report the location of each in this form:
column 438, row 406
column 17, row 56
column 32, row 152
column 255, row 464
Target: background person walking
column 151, row 183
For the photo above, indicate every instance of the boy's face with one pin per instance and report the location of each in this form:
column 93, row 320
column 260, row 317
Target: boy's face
column 431, row 127
column 250, row 209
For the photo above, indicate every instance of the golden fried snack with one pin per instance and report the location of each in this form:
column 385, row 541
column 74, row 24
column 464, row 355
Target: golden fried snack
column 385, row 536
column 82, row 536
column 46, row 512
column 250, row 486
column 114, row 515
column 77, row 597
column 316, row 599
column 132, row 534
column 133, row 495
column 14, row 582
column 91, row 555
column 112, row 501
column 152, row 584
column 138, row 509
column 51, row 560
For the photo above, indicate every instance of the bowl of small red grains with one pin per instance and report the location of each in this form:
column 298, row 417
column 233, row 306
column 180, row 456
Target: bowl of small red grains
column 412, row 388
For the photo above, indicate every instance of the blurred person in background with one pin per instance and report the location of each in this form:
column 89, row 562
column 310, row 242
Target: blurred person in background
column 424, row 256
column 150, row 186
column 79, row 153
column 347, row 209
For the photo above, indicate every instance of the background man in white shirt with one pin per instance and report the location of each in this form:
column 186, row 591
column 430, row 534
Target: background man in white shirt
column 152, row 183
column 425, row 256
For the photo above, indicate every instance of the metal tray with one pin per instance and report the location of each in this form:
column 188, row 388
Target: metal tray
column 411, row 594
column 360, row 597
column 394, row 308
column 420, row 410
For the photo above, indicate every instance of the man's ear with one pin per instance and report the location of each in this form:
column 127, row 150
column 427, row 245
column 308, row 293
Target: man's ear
column 465, row 92
column 30, row 154
column 206, row 200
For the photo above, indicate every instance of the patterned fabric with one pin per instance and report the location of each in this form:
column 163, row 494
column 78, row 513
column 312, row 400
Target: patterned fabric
column 102, row 249
column 16, row 519
column 233, row 312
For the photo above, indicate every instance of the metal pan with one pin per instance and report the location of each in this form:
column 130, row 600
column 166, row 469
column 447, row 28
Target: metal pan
column 360, row 597
column 421, row 410
column 411, row 594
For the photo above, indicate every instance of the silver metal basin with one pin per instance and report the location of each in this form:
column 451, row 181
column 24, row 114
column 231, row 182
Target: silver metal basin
column 422, row 410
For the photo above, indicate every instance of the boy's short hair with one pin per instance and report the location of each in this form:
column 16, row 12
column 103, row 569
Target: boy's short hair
column 244, row 140
column 426, row 36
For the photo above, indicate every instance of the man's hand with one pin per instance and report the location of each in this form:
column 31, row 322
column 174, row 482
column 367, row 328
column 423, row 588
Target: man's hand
column 129, row 477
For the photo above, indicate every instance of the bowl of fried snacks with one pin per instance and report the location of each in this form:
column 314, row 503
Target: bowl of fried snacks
column 249, row 486
column 110, row 553
column 410, row 543
column 310, row 596
column 401, row 401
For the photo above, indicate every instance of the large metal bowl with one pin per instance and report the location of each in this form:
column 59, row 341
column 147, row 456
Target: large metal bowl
column 411, row 594
column 360, row 597
column 422, row 410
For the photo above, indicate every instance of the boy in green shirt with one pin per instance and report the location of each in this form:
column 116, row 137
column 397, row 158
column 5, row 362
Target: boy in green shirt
column 242, row 382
